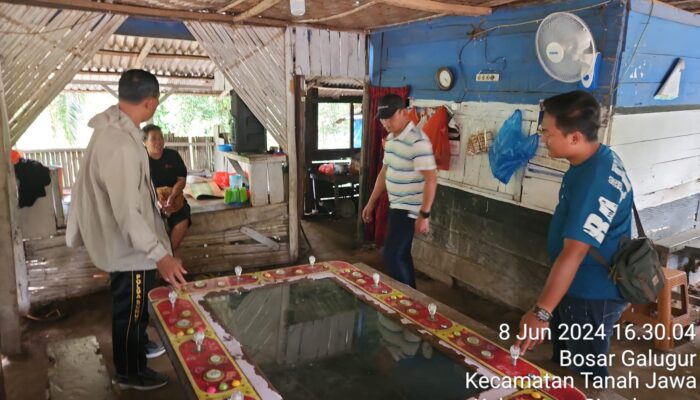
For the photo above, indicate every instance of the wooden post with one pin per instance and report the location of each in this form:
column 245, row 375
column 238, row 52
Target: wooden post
column 10, row 332
column 291, row 148
column 3, row 396
column 364, row 164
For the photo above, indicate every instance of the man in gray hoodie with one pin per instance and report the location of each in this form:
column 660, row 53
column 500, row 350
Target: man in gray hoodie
column 114, row 214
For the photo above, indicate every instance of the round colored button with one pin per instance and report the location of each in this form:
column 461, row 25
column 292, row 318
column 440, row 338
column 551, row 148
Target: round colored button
column 190, row 331
column 236, row 383
column 186, row 313
column 183, row 323
column 216, row 359
column 180, row 333
column 535, row 395
column 211, row 389
column 223, row 387
column 213, row 375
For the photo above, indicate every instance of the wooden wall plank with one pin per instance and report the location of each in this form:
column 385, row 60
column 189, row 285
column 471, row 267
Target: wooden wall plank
column 640, row 154
column 640, row 127
column 325, row 38
column 315, row 53
column 301, row 49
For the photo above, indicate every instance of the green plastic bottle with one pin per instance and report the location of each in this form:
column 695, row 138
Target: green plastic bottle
column 243, row 194
column 228, row 196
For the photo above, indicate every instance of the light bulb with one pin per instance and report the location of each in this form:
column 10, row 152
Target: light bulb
column 298, row 7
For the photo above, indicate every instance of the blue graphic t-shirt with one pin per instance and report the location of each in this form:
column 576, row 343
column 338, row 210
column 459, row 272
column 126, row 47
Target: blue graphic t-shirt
column 595, row 203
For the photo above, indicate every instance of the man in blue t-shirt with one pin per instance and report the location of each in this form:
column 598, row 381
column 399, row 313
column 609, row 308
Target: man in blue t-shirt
column 593, row 215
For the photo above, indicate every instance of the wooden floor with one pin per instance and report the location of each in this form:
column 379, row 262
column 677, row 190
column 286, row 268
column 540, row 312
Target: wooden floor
column 26, row 377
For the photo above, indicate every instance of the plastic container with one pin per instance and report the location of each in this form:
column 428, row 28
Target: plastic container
column 228, row 196
column 235, row 181
column 243, row 195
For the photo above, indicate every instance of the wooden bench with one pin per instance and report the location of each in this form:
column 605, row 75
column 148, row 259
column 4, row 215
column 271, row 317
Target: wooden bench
column 77, row 371
column 686, row 243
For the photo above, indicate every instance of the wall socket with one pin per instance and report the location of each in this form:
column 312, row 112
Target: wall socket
column 487, row 77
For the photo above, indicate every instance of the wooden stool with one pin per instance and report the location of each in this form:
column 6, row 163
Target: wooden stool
column 662, row 312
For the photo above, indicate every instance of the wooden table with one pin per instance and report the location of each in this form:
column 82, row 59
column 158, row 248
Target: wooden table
column 264, row 175
column 336, row 181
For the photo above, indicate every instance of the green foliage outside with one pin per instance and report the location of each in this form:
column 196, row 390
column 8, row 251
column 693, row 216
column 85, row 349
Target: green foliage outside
column 183, row 115
column 66, row 112
column 334, row 126
column 186, row 115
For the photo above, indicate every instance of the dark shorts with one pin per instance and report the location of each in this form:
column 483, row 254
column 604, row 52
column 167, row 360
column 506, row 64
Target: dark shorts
column 181, row 215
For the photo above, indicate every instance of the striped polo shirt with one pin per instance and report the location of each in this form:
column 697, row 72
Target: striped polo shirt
column 405, row 156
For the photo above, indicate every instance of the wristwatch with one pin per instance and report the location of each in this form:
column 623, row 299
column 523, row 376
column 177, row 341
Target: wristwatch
column 541, row 314
column 424, row 214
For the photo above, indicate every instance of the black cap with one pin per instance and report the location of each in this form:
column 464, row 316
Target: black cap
column 388, row 105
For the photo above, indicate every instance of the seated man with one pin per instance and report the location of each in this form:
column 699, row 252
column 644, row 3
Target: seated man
column 169, row 175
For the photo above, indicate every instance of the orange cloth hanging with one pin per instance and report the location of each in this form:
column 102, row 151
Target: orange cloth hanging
column 436, row 129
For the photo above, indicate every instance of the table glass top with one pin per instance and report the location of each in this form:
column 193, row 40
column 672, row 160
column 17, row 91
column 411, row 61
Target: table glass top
column 314, row 340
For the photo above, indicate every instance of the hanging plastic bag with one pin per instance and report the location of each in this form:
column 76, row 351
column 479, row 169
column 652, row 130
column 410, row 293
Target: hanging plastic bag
column 511, row 148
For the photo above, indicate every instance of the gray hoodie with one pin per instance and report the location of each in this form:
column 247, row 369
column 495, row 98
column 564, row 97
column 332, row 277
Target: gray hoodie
column 113, row 205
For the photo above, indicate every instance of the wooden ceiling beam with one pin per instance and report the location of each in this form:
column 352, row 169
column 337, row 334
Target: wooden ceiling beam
column 679, row 2
column 118, row 74
column 497, row 3
column 438, row 7
column 138, row 62
column 102, row 83
column 126, row 9
column 116, row 53
column 231, row 5
column 257, row 9
column 336, row 16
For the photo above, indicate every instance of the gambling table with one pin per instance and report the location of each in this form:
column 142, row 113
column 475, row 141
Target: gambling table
column 328, row 330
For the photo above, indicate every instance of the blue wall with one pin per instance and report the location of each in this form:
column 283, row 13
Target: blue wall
column 410, row 55
column 670, row 33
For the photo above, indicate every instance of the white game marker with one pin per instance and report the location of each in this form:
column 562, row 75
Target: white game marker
column 514, row 353
column 199, row 340
column 238, row 271
column 172, row 296
column 312, row 261
column 432, row 309
column 375, row 278
column 237, row 395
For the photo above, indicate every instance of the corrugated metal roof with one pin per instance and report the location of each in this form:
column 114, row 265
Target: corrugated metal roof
column 181, row 65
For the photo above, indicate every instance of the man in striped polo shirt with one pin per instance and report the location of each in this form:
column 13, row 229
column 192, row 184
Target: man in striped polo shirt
column 410, row 177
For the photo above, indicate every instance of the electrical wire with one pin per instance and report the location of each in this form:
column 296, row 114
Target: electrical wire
column 636, row 46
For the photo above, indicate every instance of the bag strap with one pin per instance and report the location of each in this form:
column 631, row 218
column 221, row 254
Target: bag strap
column 638, row 221
column 640, row 232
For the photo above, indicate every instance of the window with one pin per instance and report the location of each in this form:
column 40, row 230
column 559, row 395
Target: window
column 339, row 126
